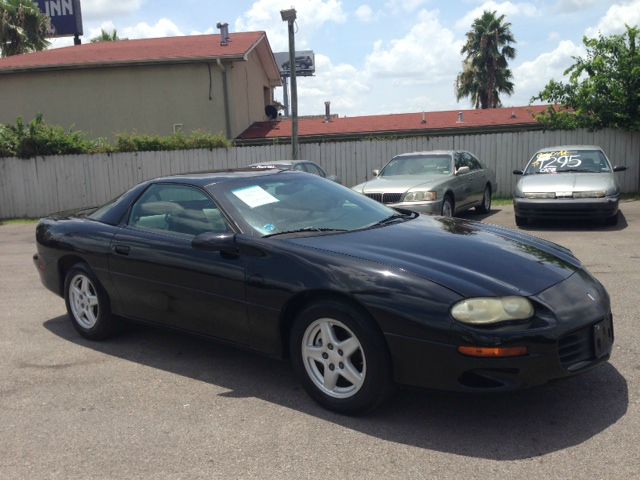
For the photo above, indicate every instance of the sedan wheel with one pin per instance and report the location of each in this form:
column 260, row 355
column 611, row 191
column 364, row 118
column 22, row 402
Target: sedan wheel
column 447, row 207
column 485, row 206
column 88, row 304
column 340, row 357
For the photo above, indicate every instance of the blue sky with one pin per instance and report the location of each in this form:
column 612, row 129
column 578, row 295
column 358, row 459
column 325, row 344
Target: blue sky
column 382, row 56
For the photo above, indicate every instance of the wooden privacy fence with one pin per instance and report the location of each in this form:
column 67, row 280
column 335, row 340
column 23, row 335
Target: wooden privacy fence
column 40, row 186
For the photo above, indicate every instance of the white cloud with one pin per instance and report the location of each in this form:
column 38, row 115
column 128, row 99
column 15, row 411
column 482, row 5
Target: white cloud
column 102, row 9
column 509, row 9
column 343, row 85
column 427, row 54
column 614, row 20
column 531, row 77
column 162, row 28
column 573, row 5
column 312, row 16
column 364, row 13
column 407, row 6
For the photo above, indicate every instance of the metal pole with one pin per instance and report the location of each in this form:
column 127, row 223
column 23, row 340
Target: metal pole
column 294, row 93
column 285, row 99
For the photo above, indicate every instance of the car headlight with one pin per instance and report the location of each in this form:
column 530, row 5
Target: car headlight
column 539, row 195
column 420, row 196
column 483, row 311
column 591, row 194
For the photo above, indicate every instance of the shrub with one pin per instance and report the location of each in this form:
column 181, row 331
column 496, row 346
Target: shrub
column 39, row 139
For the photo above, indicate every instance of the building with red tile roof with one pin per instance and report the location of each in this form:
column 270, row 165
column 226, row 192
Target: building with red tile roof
column 403, row 124
column 153, row 86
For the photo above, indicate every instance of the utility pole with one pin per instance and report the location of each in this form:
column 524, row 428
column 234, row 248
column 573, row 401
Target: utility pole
column 289, row 16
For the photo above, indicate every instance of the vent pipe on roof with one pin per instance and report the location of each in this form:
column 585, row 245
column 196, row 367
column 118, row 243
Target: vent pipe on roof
column 424, row 118
column 224, row 33
column 513, row 114
column 460, row 117
column 327, row 112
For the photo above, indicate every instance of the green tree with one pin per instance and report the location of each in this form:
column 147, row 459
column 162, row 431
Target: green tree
column 603, row 88
column 485, row 73
column 107, row 36
column 23, row 28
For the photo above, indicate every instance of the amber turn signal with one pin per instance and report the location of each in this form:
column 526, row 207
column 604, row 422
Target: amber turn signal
column 493, row 352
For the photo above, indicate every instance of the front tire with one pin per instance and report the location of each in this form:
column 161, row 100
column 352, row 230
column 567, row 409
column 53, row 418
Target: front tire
column 447, row 207
column 340, row 358
column 88, row 304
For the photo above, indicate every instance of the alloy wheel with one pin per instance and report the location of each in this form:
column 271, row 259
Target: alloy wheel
column 333, row 358
column 83, row 299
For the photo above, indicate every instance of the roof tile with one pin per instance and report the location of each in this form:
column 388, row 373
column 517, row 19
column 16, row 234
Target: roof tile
column 169, row 49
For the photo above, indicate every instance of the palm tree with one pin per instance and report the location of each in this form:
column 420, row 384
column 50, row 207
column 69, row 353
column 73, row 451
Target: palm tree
column 23, row 28
column 107, row 37
column 485, row 71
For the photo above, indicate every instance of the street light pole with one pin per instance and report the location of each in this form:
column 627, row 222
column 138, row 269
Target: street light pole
column 289, row 16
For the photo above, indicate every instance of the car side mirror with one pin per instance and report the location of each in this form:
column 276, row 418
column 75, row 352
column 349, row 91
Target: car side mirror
column 619, row 169
column 518, row 172
column 462, row 170
column 375, row 172
column 216, row 242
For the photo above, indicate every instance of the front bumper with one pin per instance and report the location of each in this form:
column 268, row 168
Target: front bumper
column 566, row 208
column 571, row 332
column 442, row 367
column 429, row 208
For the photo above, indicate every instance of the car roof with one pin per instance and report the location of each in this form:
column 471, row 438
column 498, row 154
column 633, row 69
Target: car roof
column 279, row 162
column 205, row 178
column 429, row 152
column 569, row 147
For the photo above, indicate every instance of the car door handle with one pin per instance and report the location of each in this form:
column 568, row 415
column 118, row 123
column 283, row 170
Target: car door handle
column 122, row 249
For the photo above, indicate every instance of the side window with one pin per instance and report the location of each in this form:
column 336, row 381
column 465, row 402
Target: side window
column 177, row 209
column 315, row 169
column 299, row 167
column 459, row 161
column 474, row 162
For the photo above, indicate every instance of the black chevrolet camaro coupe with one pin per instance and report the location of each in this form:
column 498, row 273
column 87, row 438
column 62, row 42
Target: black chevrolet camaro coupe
column 359, row 296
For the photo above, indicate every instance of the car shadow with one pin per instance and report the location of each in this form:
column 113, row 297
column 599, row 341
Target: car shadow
column 479, row 217
column 576, row 225
column 518, row 425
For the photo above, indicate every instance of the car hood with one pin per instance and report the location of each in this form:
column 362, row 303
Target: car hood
column 569, row 182
column 470, row 258
column 400, row 183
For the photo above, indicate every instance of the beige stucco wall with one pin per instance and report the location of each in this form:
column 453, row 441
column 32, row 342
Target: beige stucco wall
column 247, row 81
column 146, row 99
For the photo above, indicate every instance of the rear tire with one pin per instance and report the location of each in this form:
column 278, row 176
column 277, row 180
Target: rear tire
column 485, row 206
column 88, row 304
column 340, row 358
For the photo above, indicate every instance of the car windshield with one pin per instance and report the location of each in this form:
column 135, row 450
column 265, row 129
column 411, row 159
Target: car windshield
column 581, row 161
column 293, row 202
column 418, row 165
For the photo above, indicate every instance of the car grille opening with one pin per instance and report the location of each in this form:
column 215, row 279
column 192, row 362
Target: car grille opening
column 576, row 349
column 385, row 197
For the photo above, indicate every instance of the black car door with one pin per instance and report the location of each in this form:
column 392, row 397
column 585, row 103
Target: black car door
column 161, row 278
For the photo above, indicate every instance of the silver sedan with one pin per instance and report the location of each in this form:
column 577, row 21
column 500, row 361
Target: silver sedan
column 568, row 182
column 443, row 182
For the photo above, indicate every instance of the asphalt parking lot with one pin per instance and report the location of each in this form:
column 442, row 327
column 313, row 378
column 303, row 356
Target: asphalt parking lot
column 156, row 404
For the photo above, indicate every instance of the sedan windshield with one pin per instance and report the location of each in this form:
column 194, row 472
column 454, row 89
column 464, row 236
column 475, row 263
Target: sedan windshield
column 290, row 202
column 582, row 161
column 418, row 165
